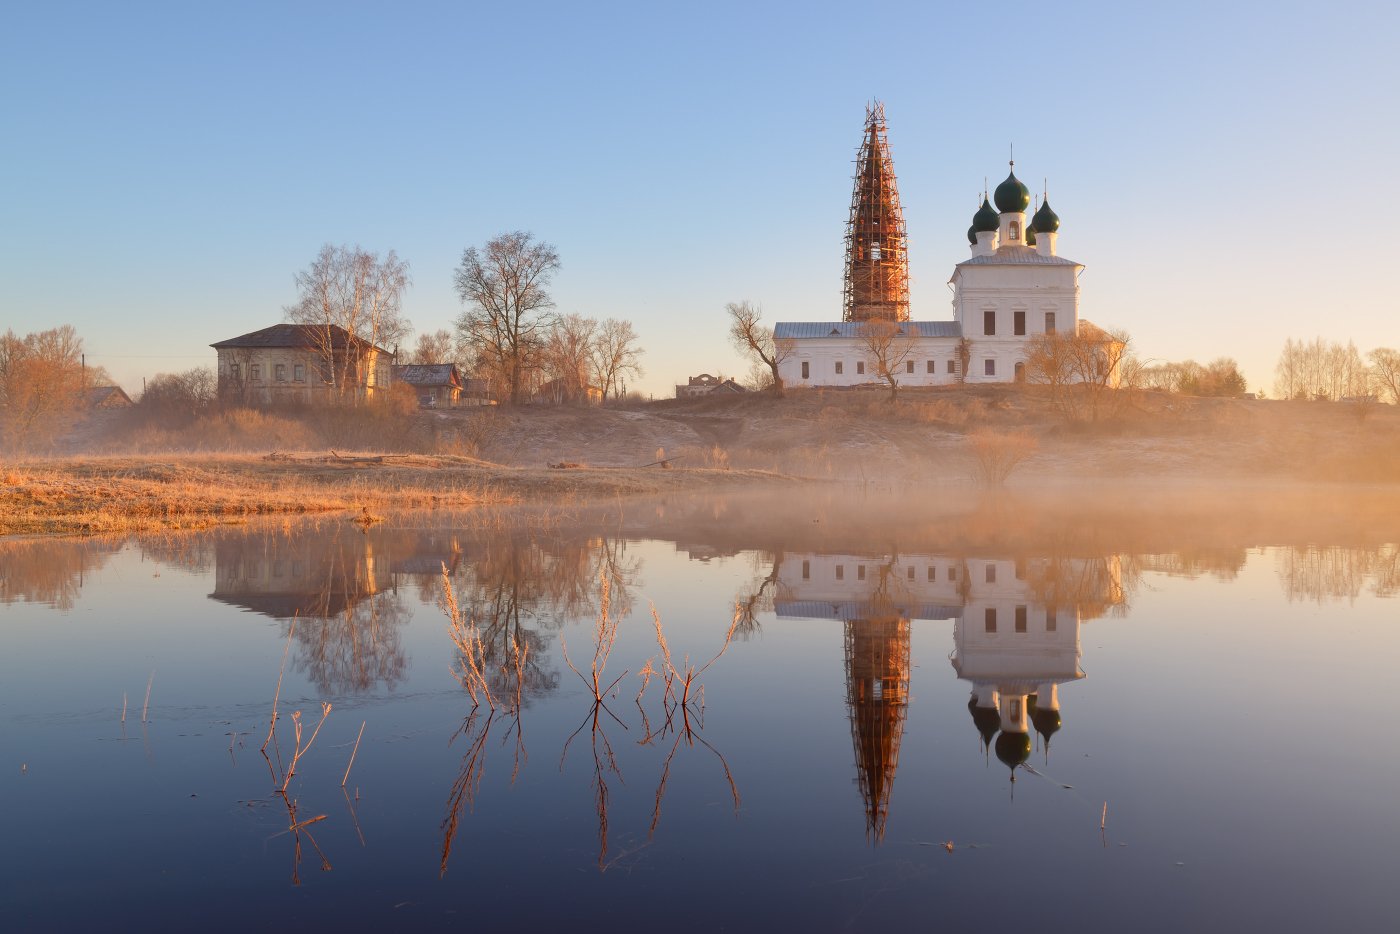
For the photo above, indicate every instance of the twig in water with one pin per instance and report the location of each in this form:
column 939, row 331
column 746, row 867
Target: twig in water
column 277, row 694
column 1103, row 818
column 146, row 706
column 301, row 750
column 123, row 706
column 352, row 754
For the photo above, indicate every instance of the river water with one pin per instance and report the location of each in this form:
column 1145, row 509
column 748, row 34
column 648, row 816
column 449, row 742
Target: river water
column 983, row 713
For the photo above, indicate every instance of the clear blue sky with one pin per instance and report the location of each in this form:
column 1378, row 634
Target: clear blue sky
column 1224, row 170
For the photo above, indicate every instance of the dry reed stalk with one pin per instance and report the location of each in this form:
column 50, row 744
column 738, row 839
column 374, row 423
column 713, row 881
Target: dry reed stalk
column 123, row 707
column 1103, row 818
column 604, row 636
column 687, row 674
column 301, row 750
column 277, row 694
column 146, row 706
column 353, row 752
column 467, row 637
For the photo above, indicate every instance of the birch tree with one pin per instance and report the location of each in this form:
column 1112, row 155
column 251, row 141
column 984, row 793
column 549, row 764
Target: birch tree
column 890, row 344
column 755, row 340
column 616, row 355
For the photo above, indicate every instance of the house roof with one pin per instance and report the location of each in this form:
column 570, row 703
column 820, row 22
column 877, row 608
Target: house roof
column 106, row 395
column 787, row 330
column 297, row 336
column 427, row 374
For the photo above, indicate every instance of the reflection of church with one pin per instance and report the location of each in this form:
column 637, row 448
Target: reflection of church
column 1015, row 634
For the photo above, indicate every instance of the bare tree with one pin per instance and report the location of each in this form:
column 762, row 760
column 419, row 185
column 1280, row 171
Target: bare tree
column 1083, row 369
column 1320, row 370
column 1385, row 373
column 353, row 290
column 615, row 355
column 755, row 340
column 505, row 288
column 890, row 344
column 41, row 385
column 568, row 357
column 433, row 348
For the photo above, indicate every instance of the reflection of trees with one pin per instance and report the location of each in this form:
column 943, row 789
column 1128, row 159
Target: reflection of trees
column 757, row 596
column 49, row 572
column 1317, row 573
column 1093, row 586
column 356, row 648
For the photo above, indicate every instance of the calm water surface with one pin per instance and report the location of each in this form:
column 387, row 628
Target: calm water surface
column 920, row 723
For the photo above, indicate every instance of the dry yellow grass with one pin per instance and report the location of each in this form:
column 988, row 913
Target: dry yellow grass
column 98, row 495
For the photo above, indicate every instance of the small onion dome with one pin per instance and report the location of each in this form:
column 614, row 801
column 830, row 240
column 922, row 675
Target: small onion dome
column 1011, row 195
column 1013, row 749
column 986, row 720
column 1030, row 236
column 972, row 235
column 985, row 218
column 1045, row 220
column 1047, row 722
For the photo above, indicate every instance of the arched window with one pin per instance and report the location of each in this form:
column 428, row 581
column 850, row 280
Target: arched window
column 1015, row 230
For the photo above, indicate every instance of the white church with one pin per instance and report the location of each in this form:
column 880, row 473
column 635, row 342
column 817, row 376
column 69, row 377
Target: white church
column 1012, row 288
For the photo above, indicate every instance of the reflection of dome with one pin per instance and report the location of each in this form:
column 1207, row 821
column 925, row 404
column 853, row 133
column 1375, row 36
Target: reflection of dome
column 986, row 719
column 1012, row 195
column 1013, row 749
column 1047, row 722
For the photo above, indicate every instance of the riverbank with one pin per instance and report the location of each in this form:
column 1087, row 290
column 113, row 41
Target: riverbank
column 104, row 495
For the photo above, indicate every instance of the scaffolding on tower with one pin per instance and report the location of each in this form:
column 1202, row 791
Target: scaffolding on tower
column 877, row 256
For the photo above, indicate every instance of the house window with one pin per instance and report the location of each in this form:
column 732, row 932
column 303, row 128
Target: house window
column 989, row 322
column 281, row 371
column 255, row 371
column 806, row 570
column 1020, row 619
column 991, row 573
column 929, row 367
column 860, row 367
column 909, row 366
column 299, row 372
column 952, row 367
column 990, row 618
column 234, row 371
column 1049, row 322
column 838, row 367
column 806, row 370
column 989, row 367
column 1018, row 323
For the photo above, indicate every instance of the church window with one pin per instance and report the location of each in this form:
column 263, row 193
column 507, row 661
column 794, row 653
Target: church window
column 1050, row 620
column 989, row 323
column 1049, row 322
column 989, row 367
column 1018, row 326
column 806, row 371
column 910, row 575
column 952, row 574
column 1020, row 372
column 875, row 251
column 860, row 572
column 838, row 367
column 1015, row 229
column 860, row 366
column 806, row 570
column 990, row 619
column 1020, row 619
column 840, row 572
column 991, row 573
column 932, row 574
column 909, row 366
column 952, row 367
column 930, row 366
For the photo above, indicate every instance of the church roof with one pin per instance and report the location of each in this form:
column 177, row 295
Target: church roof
column 786, row 330
column 1018, row 256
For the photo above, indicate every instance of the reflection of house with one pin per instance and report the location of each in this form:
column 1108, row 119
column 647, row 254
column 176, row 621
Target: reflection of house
column 707, row 385
column 437, row 384
column 303, row 577
column 107, row 397
column 300, row 363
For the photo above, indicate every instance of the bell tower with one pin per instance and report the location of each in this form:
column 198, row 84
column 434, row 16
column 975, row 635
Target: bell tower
column 877, row 259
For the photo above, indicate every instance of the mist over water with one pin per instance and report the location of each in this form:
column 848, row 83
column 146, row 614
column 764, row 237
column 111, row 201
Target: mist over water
column 1142, row 700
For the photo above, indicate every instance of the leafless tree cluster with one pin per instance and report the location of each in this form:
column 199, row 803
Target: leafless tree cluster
column 179, row 397
column 1220, row 377
column 432, row 348
column 351, row 289
column 1385, row 373
column 42, row 382
column 889, row 345
column 1083, row 370
column 755, row 340
column 1319, row 369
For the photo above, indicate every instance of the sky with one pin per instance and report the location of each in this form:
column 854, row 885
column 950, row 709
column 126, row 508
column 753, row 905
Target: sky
column 167, row 168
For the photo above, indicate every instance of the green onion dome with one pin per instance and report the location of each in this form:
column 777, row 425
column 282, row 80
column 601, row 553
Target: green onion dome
column 1013, row 749
column 1011, row 195
column 985, row 218
column 1030, row 236
column 1045, row 220
column 972, row 235
column 1047, row 722
column 985, row 719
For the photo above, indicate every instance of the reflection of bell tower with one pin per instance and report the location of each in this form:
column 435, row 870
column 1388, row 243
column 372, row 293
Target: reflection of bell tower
column 877, row 691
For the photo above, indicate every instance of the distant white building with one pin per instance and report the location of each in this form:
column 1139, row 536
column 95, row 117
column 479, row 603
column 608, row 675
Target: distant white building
column 1013, row 287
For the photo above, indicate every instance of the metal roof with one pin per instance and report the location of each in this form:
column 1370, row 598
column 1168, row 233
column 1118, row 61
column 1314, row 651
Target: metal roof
column 846, row 610
column 1018, row 256
column 785, row 330
column 427, row 374
column 299, row 336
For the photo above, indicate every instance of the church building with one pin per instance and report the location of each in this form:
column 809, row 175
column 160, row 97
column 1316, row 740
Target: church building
column 1012, row 288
